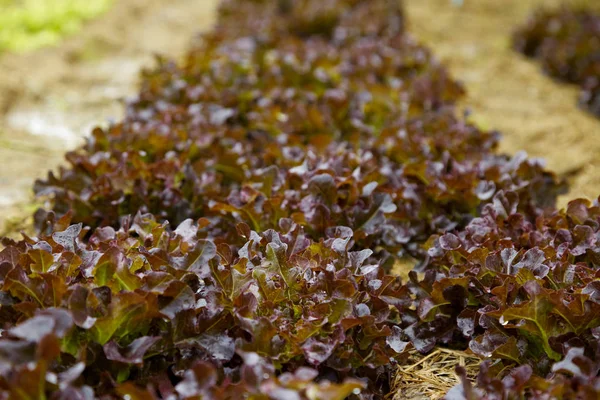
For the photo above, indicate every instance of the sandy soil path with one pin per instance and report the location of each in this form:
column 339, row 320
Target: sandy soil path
column 508, row 92
column 49, row 99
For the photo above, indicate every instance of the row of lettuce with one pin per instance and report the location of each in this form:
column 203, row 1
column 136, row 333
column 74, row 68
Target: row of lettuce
column 233, row 235
column 566, row 42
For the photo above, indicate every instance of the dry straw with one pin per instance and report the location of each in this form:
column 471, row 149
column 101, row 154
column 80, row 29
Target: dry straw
column 428, row 376
column 431, row 376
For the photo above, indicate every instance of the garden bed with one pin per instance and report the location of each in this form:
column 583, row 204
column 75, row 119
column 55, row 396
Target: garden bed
column 243, row 217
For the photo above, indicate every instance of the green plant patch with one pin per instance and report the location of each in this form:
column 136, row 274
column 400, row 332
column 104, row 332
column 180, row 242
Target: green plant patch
column 30, row 24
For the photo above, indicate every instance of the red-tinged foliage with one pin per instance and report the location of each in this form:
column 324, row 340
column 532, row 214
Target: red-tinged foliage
column 566, row 42
column 576, row 377
column 392, row 197
column 298, row 149
column 335, row 20
column 521, row 293
column 357, row 132
column 186, row 316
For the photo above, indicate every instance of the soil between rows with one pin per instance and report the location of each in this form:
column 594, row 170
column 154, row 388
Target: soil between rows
column 507, row 91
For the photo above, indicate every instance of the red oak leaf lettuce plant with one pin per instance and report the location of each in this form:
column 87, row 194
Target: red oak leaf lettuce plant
column 154, row 313
column 523, row 294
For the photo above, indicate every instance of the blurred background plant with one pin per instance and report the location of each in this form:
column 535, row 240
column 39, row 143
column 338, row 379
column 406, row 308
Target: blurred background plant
column 29, row 24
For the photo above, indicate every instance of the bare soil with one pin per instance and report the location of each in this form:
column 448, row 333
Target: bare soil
column 51, row 98
column 507, row 91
